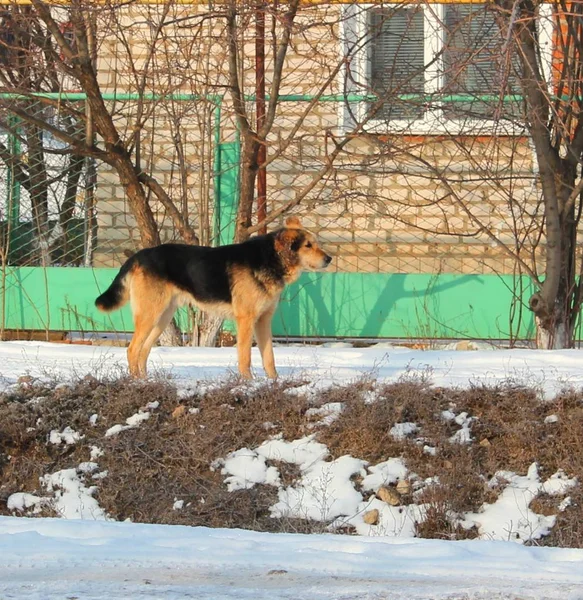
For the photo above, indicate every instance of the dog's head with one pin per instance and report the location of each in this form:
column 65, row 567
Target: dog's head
column 299, row 248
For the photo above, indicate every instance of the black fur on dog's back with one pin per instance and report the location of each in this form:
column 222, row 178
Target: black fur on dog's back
column 202, row 271
column 206, row 272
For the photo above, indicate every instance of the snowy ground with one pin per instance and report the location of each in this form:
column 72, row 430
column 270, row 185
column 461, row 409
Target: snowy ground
column 50, row 559
column 334, row 363
column 45, row 559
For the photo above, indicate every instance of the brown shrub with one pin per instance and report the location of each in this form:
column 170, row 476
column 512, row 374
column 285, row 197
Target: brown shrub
column 169, row 456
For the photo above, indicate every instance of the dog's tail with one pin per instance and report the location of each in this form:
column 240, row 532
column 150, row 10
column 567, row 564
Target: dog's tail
column 117, row 294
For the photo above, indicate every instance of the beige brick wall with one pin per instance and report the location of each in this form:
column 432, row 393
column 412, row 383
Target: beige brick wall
column 391, row 203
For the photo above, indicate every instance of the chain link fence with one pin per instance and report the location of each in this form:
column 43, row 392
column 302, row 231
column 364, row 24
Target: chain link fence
column 437, row 178
column 377, row 214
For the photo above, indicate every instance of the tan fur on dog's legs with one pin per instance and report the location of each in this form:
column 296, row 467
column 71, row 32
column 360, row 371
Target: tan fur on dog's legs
column 244, row 341
column 163, row 322
column 153, row 307
column 143, row 326
column 264, row 342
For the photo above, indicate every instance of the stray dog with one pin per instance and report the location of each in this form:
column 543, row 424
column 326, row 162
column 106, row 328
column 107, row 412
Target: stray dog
column 239, row 281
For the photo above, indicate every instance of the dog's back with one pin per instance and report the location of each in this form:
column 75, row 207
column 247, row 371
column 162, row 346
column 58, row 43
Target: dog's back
column 203, row 272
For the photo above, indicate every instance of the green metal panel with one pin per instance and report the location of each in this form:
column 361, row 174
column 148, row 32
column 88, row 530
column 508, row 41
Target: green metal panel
column 226, row 167
column 327, row 304
column 402, row 306
column 59, row 298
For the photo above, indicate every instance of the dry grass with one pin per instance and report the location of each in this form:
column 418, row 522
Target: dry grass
column 169, row 456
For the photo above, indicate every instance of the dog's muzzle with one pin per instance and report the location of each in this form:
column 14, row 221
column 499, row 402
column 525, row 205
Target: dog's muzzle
column 327, row 260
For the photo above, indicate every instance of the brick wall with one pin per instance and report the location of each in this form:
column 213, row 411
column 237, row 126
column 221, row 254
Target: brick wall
column 390, row 204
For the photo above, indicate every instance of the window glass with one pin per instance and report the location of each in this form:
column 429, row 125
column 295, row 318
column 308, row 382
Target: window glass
column 474, row 63
column 397, row 60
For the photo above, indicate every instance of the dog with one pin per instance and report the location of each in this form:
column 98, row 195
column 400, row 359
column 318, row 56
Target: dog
column 237, row 281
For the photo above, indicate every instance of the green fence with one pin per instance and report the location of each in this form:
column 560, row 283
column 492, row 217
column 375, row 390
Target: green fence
column 355, row 305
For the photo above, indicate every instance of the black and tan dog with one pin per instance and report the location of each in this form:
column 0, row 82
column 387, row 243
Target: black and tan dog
column 239, row 281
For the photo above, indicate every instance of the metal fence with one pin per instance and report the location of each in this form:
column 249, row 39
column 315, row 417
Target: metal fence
column 379, row 218
column 46, row 200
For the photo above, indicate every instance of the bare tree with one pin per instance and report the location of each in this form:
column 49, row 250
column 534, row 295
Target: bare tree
column 503, row 90
column 554, row 121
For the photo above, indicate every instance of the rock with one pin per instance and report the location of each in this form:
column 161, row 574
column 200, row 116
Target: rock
column 485, row 443
column 371, row 517
column 389, row 495
column 463, row 345
column 403, row 487
column 466, row 345
column 179, row 411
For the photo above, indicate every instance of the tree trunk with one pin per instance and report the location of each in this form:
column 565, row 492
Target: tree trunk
column 249, row 168
column 205, row 330
column 39, row 192
column 552, row 335
column 75, row 168
column 138, row 202
column 553, row 321
column 171, row 336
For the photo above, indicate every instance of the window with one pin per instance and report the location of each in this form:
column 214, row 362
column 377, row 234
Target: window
column 437, row 67
column 397, row 61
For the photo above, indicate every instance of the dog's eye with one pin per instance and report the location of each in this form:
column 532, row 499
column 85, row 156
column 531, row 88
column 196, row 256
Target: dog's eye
column 308, row 244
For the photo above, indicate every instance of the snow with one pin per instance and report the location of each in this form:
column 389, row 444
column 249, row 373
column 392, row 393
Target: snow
column 84, row 554
column 510, row 517
column 400, row 431
column 245, row 468
column 72, row 499
column 547, row 370
column 385, row 473
column 329, row 413
column 51, row 559
column 324, row 492
column 68, row 436
column 463, row 435
column 132, row 422
column 21, row 502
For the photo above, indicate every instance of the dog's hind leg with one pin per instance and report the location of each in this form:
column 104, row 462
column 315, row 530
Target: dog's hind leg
column 264, row 342
column 161, row 324
column 153, row 307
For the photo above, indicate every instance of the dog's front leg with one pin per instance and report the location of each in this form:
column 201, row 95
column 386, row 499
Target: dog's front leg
column 244, row 341
column 265, row 343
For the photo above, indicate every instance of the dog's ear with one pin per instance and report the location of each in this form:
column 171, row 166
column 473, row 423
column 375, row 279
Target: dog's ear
column 286, row 239
column 293, row 222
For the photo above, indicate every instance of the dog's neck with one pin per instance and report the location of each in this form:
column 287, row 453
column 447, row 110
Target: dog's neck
column 292, row 274
column 289, row 274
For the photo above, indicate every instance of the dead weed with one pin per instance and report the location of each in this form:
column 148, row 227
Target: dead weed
column 167, row 458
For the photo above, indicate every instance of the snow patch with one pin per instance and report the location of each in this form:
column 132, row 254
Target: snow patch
column 401, row 431
column 510, row 517
column 329, row 413
column 131, row 423
column 68, row 436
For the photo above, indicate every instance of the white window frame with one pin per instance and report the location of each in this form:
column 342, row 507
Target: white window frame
column 433, row 121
